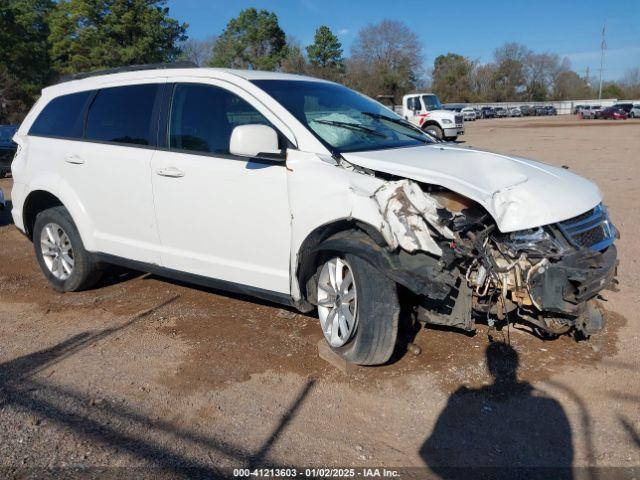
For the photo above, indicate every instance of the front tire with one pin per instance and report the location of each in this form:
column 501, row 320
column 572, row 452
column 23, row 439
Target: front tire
column 61, row 253
column 358, row 309
column 434, row 131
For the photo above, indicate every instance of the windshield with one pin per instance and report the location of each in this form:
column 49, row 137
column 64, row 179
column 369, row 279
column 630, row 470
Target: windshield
column 344, row 120
column 431, row 102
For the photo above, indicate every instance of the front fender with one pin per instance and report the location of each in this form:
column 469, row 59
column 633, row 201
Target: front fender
column 420, row 272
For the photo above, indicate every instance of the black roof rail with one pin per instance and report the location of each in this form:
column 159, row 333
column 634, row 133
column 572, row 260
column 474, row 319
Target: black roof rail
column 127, row 68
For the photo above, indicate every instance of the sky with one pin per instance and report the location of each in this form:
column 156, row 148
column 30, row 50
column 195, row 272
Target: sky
column 473, row 28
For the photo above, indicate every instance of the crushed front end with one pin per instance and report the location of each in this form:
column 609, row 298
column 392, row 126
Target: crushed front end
column 545, row 277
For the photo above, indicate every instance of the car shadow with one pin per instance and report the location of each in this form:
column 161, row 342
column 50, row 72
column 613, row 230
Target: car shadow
column 501, row 431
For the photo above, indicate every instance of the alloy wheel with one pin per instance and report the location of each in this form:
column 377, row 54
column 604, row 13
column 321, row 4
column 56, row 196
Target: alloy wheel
column 56, row 251
column 337, row 302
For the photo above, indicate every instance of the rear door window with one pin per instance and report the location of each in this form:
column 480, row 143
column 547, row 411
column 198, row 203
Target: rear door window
column 123, row 115
column 62, row 117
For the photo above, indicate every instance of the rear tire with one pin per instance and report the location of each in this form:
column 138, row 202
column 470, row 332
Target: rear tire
column 61, row 253
column 434, row 131
column 372, row 339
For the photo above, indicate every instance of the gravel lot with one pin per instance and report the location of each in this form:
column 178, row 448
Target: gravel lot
column 145, row 372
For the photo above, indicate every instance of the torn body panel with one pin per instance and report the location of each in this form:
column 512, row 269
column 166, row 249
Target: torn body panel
column 405, row 218
column 409, row 217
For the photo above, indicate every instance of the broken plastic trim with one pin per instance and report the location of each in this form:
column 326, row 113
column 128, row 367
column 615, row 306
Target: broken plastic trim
column 408, row 214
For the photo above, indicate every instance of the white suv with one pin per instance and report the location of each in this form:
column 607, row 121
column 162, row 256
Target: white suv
column 304, row 192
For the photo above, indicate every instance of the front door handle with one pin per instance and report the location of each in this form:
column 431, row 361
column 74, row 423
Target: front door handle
column 172, row 172
column 73, row 158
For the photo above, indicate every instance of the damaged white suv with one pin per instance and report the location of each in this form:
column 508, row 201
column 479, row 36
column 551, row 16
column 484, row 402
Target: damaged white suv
column 304, row 192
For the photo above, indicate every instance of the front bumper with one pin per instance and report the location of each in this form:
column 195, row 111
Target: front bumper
column 454, row 131
column 565, row 286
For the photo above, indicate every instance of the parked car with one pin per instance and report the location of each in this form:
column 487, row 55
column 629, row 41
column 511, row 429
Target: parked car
column 590, row 111
column 452, row 107
column 540, row 111
column 2, row 200
column 468, row 114
column 526, row 110
column 514, row 112
column 626, row 107
column 304, row 192
column 426, row 112
column 551, row 110
column 7, row 148
column 487, row 112
column 612, row 113
column 635, row 111
column 500, row 112
column 577, row 109
column 478, row 112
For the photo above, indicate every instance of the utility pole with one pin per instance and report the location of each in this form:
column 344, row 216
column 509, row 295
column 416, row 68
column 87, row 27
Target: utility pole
column 603, row 46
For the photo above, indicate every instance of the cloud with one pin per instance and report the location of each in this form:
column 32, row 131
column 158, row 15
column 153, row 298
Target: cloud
column 595, row 54
column 343, row 31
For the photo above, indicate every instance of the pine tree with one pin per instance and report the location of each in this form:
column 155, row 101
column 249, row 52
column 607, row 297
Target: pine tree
column 252, row 40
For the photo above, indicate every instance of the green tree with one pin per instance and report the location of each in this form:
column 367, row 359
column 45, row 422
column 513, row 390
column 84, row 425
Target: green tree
column 93, row 34
column 612, row 90
column 252, row 40
column 24, row 59
column 325, row 53
column 452, row 78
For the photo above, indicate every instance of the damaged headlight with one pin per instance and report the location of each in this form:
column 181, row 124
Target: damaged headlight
column 534, row 240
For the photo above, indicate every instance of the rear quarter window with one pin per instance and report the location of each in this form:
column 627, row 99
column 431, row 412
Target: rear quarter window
column 61, row 117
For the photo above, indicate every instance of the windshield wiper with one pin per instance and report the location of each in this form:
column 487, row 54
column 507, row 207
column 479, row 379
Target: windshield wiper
column 351, row 126
column 401, row 122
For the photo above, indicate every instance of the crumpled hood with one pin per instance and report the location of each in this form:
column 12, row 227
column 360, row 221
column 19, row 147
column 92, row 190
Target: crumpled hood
column 518, row 193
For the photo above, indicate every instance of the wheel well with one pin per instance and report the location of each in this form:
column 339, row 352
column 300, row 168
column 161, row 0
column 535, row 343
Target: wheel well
column 309, row 257
column 36, row 202
column 430, row 122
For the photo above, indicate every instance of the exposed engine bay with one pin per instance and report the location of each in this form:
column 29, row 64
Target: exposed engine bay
column 544, row 277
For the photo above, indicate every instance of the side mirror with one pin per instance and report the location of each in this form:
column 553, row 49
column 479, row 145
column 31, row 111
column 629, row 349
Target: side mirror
column 255, row 140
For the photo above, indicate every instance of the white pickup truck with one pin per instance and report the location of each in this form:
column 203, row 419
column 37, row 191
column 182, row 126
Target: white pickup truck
column 425, row 111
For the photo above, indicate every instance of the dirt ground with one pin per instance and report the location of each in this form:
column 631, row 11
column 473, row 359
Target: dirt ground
column 146, row 372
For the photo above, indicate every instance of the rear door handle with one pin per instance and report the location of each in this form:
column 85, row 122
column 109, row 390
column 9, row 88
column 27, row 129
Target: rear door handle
column 73, row 158
column 172, row 172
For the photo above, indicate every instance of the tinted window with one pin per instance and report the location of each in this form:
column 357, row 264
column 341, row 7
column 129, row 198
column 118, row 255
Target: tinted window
column 122, row 115
column 62, row 117
column 203, row 116
column 414, row 103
